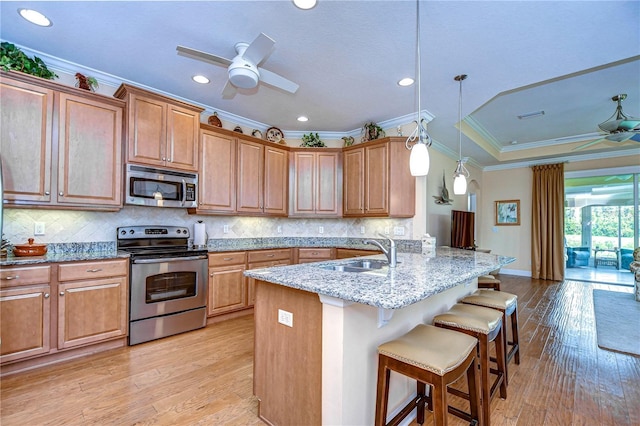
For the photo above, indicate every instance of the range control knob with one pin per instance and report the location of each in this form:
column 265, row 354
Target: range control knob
column 123, row 232
column 132, row 231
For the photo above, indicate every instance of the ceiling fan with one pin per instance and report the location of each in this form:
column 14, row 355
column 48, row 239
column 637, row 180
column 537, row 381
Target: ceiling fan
column 619, row 127
column 244, row 70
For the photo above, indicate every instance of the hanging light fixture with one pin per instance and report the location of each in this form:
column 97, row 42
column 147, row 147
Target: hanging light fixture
column 419, row 159
column 461, row 174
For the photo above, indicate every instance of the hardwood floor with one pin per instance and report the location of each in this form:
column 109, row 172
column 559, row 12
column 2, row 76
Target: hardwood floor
column 205, row 377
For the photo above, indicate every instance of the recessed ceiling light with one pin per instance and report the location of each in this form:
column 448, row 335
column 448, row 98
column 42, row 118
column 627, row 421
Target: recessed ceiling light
column 407, row 81
column 303, row 118
column 35, row 17
column 200, row 79
column 305, row 4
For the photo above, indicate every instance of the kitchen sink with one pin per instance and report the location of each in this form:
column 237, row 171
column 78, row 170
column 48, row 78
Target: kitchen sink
column 360, row 266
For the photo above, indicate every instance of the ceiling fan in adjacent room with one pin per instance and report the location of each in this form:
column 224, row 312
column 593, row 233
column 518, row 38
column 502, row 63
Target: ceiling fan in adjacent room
column 244, row 70
column 619, row 127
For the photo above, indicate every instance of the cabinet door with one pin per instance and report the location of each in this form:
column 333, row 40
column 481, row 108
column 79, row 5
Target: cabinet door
column 147, row 130
column 276, row 173
column 377, row 180
column 217, row 184
column 250, row 177
column 26, row 120
column 182, row 138
column 90, row 152
column 91, row 311
column 353, row 193
column 303, row 183
column 24, row 322
column 327, row 183
column 227, row 289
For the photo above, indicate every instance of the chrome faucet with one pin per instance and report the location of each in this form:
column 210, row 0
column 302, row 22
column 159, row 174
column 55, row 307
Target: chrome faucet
column 392, row 253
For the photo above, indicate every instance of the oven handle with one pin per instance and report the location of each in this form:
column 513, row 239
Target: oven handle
column 169, row 259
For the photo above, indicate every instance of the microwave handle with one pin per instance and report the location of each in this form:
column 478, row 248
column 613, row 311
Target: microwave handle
column 184, row 193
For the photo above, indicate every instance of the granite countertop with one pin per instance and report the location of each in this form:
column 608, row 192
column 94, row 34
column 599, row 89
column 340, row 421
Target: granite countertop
column 70, row 252
column 416, row 277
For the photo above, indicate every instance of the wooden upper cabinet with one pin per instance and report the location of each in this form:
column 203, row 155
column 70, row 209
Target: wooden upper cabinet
column 160, row 131
column 276, row 168
column 89, row 152
column 217, row 177
column 377, row 180
column 261, row 179
column 26, row 125
column 315, row 183
column 250, row 177
column 87, row 136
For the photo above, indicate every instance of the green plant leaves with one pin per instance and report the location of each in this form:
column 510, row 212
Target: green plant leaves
column 13, row 58
column 312, row 140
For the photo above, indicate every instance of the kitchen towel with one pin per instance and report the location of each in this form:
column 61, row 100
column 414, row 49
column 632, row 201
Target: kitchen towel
column 199, row 234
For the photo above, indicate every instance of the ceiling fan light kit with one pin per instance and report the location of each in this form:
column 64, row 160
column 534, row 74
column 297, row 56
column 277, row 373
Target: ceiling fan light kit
column 619, row 122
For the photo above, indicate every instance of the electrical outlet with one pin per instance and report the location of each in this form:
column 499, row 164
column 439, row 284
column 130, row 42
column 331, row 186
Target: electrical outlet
column 398, row 230
column 320, row 229
column 386, row 230
column 225, row 229
column 285, row 318
column 38, row 228
column 279, row 229
column 362, row 229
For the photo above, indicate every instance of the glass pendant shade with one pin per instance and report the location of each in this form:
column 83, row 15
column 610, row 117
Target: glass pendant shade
column 459, row 184
column 419, row 160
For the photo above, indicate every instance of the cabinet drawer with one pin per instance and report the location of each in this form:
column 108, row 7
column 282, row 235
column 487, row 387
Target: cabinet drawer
column 268, row 255
column 14, row 277
column 92, row 270
column 224, row 259
column 343, row 253
column 315, row 253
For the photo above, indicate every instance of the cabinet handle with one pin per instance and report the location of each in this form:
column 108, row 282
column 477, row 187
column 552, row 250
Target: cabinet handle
column 227, row 258
column 11, row 277
column 315, row 253
column 211, row 274
column 169, row 160
column 62, row 293
column 94, row 270
column 164, row 159
column 61, row 193
column 270, row 255
column 46, row 295
column 47, row 193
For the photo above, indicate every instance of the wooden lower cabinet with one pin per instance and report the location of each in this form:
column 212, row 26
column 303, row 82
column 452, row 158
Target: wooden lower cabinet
column 343, row 253
column 309, row 255
column 25, row 306
column 92, row 302
column 227, row 283
column 265, row 259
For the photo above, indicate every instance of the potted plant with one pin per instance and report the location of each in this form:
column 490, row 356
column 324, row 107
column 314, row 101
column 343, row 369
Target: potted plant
column 312, row 140
column 371, row 131
column 13, row 58
column 86, row 83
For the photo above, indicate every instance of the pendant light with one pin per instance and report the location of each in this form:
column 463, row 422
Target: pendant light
column 419, row 158
column 461, row 174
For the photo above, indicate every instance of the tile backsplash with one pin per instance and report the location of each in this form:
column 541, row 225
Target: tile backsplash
column 67, row 226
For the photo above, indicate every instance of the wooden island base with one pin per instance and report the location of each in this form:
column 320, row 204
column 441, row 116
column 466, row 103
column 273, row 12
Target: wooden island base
column 322, row 370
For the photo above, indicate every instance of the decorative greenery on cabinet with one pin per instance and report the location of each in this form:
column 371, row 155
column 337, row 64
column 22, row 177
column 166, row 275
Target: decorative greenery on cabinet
column 14, row 59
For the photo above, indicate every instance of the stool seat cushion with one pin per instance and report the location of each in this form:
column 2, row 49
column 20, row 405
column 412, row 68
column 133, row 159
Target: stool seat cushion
column 433, row 349
column 470, row 317
column 487, row 278
column 491, row 299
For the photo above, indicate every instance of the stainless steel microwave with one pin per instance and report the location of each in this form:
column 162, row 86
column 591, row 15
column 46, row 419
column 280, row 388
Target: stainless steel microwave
column 148, row 186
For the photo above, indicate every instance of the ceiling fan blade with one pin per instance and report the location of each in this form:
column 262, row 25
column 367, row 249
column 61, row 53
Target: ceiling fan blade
column 635, row 137
column 619, row 137
column 277, row 80
column 578, row 148
column 259, row 49
column 203, row 56
column 229, row 91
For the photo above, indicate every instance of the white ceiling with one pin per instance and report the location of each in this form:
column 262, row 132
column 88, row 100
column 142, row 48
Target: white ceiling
column 567, row 58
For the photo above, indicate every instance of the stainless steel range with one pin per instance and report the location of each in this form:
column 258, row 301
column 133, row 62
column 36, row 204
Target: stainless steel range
column 167, row 284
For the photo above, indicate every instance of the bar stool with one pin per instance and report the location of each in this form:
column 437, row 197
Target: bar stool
column 488, row 281
column 506, row 303
column 433, row 356
column 485, row 325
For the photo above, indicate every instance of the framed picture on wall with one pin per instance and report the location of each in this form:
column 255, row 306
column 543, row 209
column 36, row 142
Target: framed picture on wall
column 508, row 212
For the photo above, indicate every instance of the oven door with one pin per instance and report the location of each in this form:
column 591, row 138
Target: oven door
column 165, row 286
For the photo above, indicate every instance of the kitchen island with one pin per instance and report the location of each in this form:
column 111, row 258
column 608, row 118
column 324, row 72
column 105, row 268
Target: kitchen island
column 318, row 329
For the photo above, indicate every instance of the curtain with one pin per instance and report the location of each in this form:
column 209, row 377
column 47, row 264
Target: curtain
column 547, row 222
column 462, row 229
